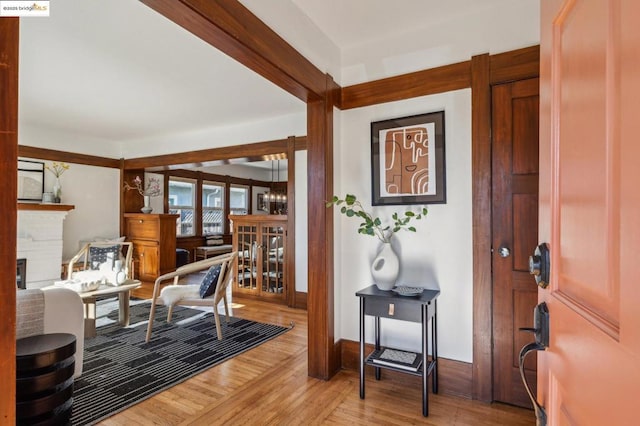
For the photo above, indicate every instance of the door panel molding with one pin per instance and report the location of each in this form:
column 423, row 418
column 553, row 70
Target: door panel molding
column 581, row 199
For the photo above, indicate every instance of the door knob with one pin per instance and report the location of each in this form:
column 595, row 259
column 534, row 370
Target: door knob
column 504, row 252
column 539, row 265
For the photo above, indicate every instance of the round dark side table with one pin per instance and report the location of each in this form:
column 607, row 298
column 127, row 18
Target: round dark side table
column 44, row 379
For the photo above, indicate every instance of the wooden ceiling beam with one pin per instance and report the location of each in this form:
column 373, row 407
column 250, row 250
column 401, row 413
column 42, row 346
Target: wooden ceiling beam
column 197, row 158
column 231, row 28
column 67, row 157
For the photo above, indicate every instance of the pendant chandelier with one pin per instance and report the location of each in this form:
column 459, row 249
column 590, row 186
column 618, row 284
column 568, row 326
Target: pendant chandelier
column 273, row 195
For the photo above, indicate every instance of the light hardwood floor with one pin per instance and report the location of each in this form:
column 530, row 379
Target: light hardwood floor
column 269, row 386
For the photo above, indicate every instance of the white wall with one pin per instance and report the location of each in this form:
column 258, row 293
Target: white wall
column 301, row 222
column 238, row 134
column 95, row 193
column 500, row 27
column 438, row 255
column 63, row 140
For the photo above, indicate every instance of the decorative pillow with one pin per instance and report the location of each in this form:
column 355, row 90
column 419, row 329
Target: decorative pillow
column 208, row 284
column 100, row 255
column 214, row 240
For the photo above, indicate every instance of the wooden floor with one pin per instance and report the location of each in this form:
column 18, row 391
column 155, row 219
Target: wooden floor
column 269, row 386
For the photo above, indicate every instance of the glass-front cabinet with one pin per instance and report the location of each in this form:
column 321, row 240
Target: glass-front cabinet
column 262, row 256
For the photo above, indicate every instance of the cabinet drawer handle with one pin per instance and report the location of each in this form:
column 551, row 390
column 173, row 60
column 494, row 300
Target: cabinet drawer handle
column 392, row 309
column 141, row 221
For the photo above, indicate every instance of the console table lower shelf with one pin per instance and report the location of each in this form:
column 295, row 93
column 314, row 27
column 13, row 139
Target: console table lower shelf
column 422, row 309
column 374, row 359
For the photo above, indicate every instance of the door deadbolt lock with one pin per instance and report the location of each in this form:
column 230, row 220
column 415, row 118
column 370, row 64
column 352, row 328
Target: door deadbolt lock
column 539, row 265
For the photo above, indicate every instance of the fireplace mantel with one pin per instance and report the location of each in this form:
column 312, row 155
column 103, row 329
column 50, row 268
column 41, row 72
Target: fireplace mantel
column 45, row 207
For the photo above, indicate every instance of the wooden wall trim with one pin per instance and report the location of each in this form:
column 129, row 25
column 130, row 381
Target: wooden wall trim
column 301, row 300
column 514, row 65
column 301, row 143
column 9, row 36
column 481, row 227
column 233, row 29
column 67, row 157
column 187, row 158
column 419, row 83
column 196, row 158
column 454, row 377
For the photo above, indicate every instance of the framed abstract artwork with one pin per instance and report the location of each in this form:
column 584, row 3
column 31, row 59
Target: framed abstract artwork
column 407, row 160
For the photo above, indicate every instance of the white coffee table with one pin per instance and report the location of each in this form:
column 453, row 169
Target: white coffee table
column 89, row 298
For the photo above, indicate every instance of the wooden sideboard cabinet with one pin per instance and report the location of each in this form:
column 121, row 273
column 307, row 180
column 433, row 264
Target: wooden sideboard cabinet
column 154, row 243
column 262, row 256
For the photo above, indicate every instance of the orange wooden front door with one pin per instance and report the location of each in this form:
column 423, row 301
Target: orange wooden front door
column 590, row 210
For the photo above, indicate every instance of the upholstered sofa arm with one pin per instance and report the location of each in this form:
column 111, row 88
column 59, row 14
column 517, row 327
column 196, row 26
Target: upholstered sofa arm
column 53, row 310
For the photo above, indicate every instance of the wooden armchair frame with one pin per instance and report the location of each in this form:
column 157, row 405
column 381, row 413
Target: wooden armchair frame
column 83, row 256
column 227, row 262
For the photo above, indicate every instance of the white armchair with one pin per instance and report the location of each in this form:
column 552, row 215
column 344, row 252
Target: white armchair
column 51, row 310
column 189, row 294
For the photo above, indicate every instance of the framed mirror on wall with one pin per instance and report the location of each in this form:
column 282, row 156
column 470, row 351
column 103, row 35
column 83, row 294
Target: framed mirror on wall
column 30, row 180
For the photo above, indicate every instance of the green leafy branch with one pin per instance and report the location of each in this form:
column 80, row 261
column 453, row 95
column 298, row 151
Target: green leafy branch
column 351, row 207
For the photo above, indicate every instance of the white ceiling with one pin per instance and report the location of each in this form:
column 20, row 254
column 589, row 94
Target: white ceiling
column 116, row 71
column 90, row 69
column 349, row 23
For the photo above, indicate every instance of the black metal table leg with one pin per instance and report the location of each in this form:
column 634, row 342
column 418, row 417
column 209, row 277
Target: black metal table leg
column 362, row 347
column 377, row 333
column 425, row 361
column 434, row 346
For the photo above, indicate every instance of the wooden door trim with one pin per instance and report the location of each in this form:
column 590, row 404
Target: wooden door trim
column 9, row 33
column 519, row 64
column 481, row 227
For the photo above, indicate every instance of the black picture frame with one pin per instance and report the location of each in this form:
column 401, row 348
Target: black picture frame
column 30, row 180
column 263, row 204
column 393, row 183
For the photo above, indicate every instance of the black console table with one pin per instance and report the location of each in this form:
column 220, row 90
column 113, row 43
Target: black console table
column 421, row 308
column 45, row 365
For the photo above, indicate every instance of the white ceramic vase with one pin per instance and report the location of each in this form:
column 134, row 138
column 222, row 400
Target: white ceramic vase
column 147, row 205
column 385, row 268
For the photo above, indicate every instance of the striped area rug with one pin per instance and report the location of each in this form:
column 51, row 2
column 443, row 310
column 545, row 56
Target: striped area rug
column 120, row 369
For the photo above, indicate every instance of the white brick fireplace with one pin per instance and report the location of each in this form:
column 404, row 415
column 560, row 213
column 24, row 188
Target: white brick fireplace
column 40, row 241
